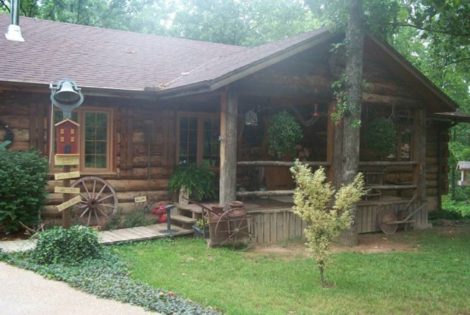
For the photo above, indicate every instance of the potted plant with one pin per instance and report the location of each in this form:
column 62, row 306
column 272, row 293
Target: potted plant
column 201, row 228
column 284, row 133
column 193, row 181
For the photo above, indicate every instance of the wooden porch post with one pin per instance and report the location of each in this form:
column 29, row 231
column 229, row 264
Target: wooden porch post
column 419, row 155
column 330, row 142
column 228, row 146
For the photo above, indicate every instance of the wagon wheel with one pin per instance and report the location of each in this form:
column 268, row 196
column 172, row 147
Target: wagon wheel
column 385, row 218
column 234, row 228
column 99, row 200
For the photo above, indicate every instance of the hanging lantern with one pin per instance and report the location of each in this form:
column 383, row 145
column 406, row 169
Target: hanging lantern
column 251, row 118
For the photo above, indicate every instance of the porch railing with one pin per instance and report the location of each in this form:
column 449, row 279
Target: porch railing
column 370, row 185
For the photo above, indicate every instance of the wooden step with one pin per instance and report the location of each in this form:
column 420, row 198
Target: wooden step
column 191, row 207
column 182, row 219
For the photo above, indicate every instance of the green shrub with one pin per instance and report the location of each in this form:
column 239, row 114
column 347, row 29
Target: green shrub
column 455, row 209
column 67, row 246
column 137, row 218
column 23, row 178
column 114, row 222
column 284, row 133
column 198, row 180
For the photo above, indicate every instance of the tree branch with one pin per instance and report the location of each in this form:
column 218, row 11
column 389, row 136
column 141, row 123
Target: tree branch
column 3, row 4
column 432, row 30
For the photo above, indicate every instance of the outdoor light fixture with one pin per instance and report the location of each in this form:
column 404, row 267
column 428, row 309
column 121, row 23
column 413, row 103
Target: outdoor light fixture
column 14, row 29
column 251, row 118
column 67, row 96
column 316, row 113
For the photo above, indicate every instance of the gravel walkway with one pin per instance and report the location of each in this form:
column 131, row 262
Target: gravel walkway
column 24, row 292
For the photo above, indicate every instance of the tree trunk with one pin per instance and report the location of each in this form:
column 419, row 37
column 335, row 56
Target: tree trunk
column 351, row 120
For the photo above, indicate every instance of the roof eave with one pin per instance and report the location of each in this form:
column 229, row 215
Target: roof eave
column 242, row 72
column 41, row 87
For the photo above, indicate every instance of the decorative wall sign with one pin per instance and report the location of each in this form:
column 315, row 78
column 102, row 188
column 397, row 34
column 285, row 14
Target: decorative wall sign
column 69, row 203
column 68, row 175
column 67, row 159
column 140, row 199
column 66, row 190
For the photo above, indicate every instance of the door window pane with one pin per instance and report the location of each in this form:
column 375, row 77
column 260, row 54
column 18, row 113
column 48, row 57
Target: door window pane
column 188, row 141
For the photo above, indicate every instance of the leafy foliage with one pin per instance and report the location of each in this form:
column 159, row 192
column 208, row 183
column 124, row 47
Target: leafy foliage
column 66, row 246
column 458, row 207
column 137, row 218
column 23, row 177
column 108, row 277
column 380, row 136
column 325, row 218
column 199, row 181
column 284, row 133
column 241, row 22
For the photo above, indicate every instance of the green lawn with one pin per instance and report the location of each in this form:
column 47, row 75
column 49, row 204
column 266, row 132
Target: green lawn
column 435, row 278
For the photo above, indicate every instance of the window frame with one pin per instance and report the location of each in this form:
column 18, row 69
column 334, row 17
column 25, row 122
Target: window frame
column 200, row 116
column 110, row 160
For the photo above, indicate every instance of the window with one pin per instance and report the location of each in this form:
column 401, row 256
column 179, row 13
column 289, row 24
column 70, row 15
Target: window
column 198, row 139
column 95, row 146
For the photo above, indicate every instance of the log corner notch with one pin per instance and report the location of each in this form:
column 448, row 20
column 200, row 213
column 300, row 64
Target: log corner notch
column 228, row 145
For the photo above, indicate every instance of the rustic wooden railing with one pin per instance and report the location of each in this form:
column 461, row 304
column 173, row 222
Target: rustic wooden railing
column 268, row 193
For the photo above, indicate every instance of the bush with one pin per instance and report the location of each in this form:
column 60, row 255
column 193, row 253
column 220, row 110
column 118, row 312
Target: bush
column 67, row 246
column 198, row 180
column 137, row 218
column 284, row 133
column 325, row 211
column 454, row 209
column 23, row 178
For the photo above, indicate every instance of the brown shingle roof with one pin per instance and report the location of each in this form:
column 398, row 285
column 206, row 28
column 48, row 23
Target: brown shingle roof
column 100, row 58
column 113, row 59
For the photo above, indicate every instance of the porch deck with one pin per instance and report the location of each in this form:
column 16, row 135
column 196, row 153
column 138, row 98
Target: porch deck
column 271, row 219
column 140, row 233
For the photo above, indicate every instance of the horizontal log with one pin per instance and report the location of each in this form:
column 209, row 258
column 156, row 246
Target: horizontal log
column 20, row 146
column 279, row 163
column 262, row 193
column 387, row 89
column 390, row 100
column 21, row 135
column 123, row 185
column 387, row 163
column 152, row 196
column 20, row 122
column 51, row 212
column 127, row 196
column 391, row 187
column 141, row 161
column 153, row 172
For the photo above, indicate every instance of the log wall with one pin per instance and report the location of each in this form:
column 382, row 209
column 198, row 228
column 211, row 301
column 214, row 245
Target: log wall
column 143, row 144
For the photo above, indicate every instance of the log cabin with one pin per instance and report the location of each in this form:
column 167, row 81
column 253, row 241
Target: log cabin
column 153, row 102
